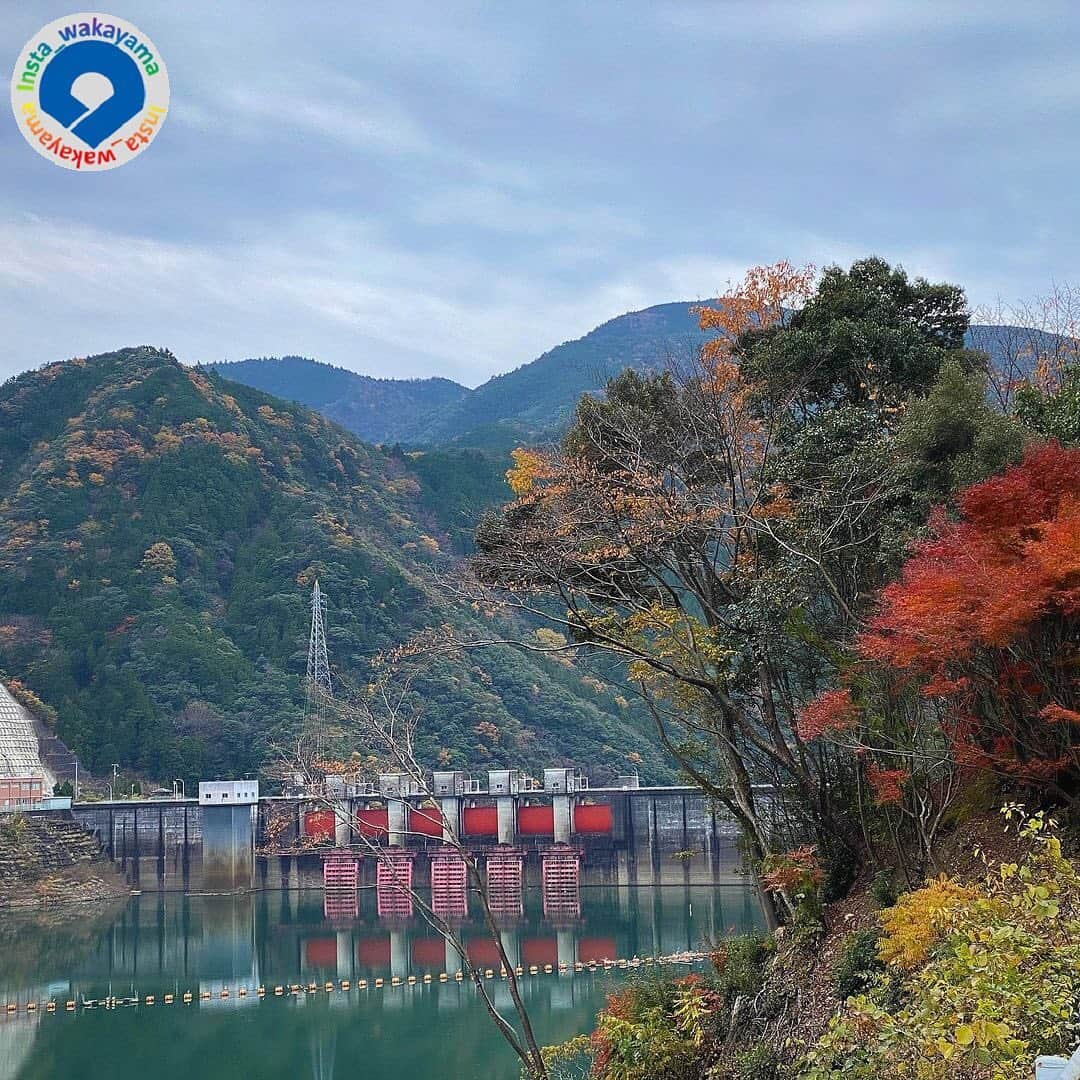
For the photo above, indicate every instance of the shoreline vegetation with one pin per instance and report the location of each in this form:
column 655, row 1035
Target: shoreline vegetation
column 838, row 555
column 971, row 975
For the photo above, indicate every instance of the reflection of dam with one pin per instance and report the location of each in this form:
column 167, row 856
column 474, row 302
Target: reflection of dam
column 160, row 944
column 637, row 836
column 172, row 944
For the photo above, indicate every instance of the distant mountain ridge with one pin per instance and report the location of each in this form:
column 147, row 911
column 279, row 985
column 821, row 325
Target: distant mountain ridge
column 530, row 404
column 539, row 397
column 371, row 408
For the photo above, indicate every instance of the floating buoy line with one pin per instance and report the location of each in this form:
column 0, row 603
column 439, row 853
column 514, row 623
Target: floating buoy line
column 342, row 986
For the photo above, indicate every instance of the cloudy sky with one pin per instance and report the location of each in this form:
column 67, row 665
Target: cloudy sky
column 409, row 189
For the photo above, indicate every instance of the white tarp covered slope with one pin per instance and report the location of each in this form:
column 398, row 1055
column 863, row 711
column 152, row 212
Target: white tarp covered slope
column 18, row 743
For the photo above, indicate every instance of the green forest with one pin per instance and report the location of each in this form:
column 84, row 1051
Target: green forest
column 160, row 531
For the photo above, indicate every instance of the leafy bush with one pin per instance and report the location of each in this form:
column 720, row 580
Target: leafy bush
column 15, row 828
column 988, row 978
column 653, row 1030
column 799, row 875
column 883, row 889
column 740, row 962
column 760, row 1063
column 656, row 1028
column 841, row 866
column 914, row 923
column 857, row 964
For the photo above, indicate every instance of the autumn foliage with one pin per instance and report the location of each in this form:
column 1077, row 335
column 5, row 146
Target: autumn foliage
column 1012, row 560
column 985, row 614
column 831, row 711
column 758, row 302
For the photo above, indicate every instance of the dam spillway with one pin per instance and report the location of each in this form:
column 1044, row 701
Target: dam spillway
column 625, row 836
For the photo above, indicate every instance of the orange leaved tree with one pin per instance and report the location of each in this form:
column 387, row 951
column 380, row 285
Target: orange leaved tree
column 985, row 618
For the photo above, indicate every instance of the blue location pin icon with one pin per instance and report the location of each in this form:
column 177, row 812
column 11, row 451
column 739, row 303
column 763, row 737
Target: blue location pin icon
column 93, row 89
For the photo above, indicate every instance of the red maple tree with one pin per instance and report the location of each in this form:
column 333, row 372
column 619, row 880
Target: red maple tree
column 985, row 613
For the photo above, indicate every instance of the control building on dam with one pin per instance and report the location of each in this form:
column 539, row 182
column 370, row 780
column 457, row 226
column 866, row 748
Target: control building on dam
column 230, row 838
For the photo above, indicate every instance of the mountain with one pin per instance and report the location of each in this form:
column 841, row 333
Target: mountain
column 538, row 398
column 377, row 410
column 527, row 404
column 160, row 530
column 534, row 402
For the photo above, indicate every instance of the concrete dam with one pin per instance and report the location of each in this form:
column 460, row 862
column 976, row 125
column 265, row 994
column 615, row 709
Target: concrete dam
column 231, row 838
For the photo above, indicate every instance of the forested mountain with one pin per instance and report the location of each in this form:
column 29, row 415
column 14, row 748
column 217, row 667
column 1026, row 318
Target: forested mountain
column 528, row 403
column 533, row 402
column 378, row 410
column 538, row 398
column 160, row 529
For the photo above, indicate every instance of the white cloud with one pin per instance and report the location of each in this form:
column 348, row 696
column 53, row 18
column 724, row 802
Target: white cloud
column 453, row 189
column 350, row 300
column 802, row 23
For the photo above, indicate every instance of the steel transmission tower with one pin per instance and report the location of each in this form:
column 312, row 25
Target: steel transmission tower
column 318, row 683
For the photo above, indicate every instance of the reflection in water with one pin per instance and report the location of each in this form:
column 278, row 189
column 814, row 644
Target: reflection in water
column 323, row 1044
column 162, row 944
column 16, row 1041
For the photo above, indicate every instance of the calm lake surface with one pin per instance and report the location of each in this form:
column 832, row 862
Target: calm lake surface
column 158, row 944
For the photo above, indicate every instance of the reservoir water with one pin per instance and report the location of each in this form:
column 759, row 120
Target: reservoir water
column 174, row 944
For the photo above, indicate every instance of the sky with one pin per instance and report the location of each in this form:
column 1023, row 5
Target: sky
column 410, row 189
